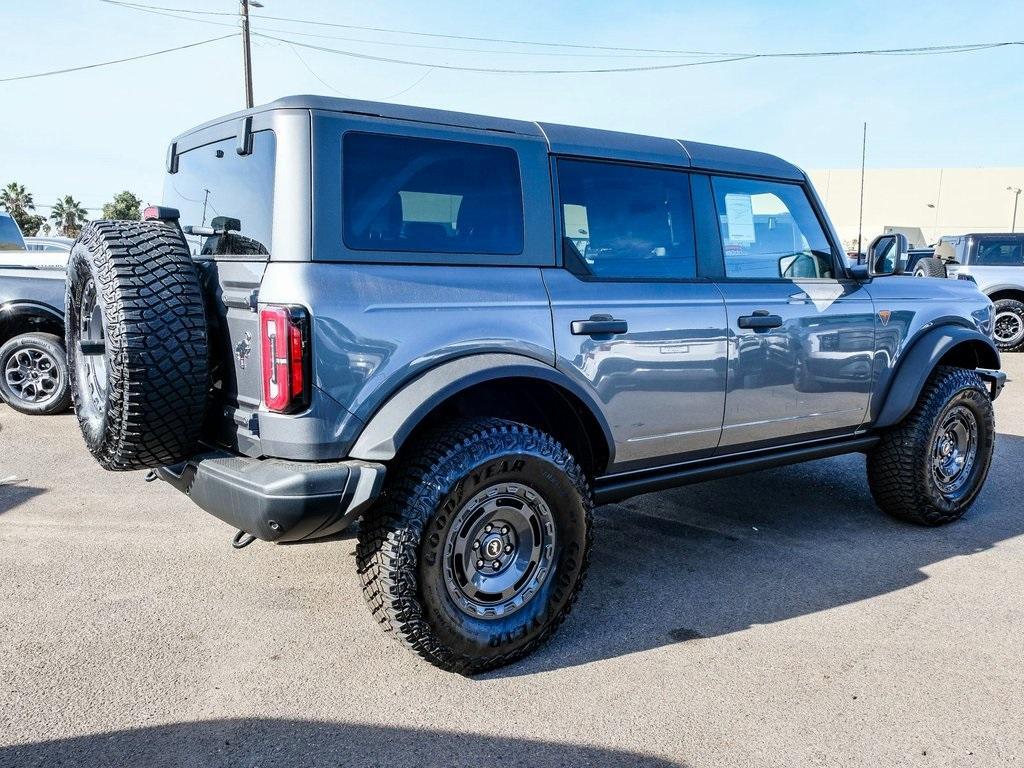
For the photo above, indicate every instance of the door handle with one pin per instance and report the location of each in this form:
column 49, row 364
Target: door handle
column 598, row 325
column 760, row 321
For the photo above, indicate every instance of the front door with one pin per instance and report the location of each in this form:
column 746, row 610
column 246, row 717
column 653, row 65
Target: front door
column 632, row 319
column 801, row 336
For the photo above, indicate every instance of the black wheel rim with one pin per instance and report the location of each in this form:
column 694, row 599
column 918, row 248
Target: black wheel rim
column 499, row 550
column 90, row 356
column 954, row 449
column 32, row 375
column 1009, row 328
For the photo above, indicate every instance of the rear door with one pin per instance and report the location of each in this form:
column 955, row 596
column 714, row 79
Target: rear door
column 212, row 185
column 633, row 319
column 801, row 335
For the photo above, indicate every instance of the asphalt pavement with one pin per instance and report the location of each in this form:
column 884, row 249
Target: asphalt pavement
column 776, row 618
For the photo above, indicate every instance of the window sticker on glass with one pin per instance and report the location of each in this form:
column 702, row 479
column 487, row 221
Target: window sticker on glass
column 739, row 215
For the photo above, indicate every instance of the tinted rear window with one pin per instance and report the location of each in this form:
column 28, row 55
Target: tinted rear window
column 10, row 236
column 215, row 181
column 409, row 194
column 1000, row 252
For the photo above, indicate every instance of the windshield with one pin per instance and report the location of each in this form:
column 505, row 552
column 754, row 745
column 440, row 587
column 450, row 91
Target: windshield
column 10, row 235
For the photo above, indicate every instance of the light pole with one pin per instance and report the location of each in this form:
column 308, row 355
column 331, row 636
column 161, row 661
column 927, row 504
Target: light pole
column 1016, row 197
column 246, row 52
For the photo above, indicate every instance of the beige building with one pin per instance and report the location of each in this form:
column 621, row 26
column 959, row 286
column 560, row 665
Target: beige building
column 938, row 201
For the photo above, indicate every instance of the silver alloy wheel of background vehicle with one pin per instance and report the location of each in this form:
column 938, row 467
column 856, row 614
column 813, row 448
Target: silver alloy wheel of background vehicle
column 92, row 366
column 954, row 449
column 33, row 375
column 499, row 550
column 1008, row 330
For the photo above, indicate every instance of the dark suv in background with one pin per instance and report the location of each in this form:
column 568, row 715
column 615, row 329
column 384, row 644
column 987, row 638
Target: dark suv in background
column 465, row 331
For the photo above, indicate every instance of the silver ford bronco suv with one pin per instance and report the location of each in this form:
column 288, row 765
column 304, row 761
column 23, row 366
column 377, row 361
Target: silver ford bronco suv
column 463, row 332
column 995, row 261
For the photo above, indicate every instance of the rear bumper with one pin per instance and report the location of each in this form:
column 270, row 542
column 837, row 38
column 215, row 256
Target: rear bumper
column 995, row 379
column 274, row 499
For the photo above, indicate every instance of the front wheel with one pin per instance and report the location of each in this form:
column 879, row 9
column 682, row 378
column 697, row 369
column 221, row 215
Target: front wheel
column 479, row 546
column 929, row 468
column 34, row 374
column 1008, row 331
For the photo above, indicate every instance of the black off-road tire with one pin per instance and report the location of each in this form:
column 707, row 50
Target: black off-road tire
column 154, row 360
column 930, row 267
column 45, row 352
column 1013, row 311
column 401, row 550
column 900, row 471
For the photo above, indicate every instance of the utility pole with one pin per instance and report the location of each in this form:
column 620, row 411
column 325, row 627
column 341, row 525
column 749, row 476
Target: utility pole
column 246, row 50
column 863, row 156
column 1016, row 197
column 206, row 197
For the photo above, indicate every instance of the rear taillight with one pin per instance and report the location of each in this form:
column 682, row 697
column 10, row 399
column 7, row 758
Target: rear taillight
column 284, row 339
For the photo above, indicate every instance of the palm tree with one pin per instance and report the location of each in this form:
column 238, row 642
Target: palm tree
column 68, row 216
column 17, row 200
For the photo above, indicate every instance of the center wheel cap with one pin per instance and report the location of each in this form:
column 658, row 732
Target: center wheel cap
column 499, row 550
column 493, row 547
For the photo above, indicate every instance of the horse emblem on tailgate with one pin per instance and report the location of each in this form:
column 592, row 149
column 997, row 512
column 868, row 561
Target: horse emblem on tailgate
column 243, row 349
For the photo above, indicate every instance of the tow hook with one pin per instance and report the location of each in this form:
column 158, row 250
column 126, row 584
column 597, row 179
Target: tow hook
column 150, row 476
column 242, row 539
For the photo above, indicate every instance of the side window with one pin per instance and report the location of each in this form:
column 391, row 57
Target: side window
column 769, row 230
column 227, row 198
column 624, row 221
column 1000, row 253
column 10, row 235
column 409, row 194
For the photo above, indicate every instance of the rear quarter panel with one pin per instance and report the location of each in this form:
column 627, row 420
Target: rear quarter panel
column 376, row 326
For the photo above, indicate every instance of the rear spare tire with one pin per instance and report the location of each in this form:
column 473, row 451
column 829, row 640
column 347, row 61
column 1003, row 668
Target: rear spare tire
column 137, row 343
column 930, row 267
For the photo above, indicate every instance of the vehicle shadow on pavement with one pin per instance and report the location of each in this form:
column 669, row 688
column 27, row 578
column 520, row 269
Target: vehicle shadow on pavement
column 294, row 743
column 13, row 495
column 707, row 560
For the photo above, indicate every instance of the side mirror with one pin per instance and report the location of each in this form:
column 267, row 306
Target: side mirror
column 887, row 254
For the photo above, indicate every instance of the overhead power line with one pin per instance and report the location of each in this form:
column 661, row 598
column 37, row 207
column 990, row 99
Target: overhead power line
column 498, row 70
column 157, row 11
column 642, row 68
column 903, row 51
column 115, row 61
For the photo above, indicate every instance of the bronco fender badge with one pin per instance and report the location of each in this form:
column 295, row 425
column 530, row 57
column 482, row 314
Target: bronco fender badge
column 883, row 315
column 244, row 348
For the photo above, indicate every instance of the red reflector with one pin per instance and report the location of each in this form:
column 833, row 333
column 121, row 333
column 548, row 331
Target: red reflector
column 283, row 342
column 295, row 359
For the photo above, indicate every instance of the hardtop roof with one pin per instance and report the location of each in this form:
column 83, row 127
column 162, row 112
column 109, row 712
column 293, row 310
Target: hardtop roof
column 561, row 139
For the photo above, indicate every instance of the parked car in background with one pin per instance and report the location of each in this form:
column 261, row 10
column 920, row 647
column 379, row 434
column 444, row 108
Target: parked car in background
column 995, row 261
column 33, row 364
column 49, row 244
column 36, row 252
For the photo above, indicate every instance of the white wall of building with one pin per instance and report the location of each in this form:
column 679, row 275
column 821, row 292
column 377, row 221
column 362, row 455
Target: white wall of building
column 940, row 201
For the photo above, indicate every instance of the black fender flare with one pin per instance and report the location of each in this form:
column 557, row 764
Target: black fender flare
column 388, row 428
column 919, row 362
column 15, row 310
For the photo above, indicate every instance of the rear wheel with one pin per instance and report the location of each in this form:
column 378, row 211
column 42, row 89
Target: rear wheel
column 34, row 374
column 930, row 267
column 479, row 546
column 930, row 467
column 1008, row 330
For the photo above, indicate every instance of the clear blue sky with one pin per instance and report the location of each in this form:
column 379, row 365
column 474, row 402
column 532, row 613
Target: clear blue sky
column 93, row 133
